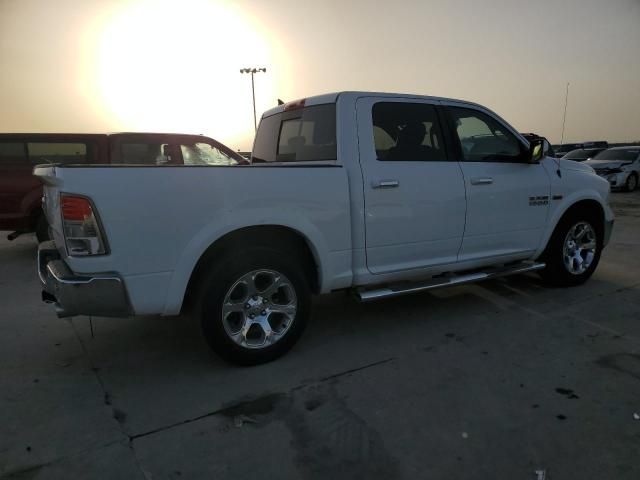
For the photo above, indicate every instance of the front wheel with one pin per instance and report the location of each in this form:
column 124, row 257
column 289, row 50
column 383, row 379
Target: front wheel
column 255, row 305
column 574, row 250
column 632, row 182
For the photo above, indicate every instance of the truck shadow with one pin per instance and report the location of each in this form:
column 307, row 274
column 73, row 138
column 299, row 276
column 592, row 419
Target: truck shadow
column 140, row 360
column 335, row 317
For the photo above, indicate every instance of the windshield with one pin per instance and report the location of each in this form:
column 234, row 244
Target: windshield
column 201, row 153
column 580, row 154
column 567, row 147
column 618, row 154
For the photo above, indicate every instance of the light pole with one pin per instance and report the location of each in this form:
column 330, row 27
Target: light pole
column 253, row 71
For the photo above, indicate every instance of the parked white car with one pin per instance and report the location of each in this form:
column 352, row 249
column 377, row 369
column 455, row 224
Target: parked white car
column 619, row 165
column 382, row 194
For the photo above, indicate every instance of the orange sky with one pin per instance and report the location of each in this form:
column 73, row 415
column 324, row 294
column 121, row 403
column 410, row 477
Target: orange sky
column 156, row 65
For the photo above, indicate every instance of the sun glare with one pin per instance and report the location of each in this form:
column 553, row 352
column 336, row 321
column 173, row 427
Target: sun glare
column 174, row 66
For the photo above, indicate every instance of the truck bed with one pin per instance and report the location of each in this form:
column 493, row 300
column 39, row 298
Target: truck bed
column 158, row 221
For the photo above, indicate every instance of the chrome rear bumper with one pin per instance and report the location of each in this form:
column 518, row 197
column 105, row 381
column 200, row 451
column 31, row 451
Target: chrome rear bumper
column 102, row 294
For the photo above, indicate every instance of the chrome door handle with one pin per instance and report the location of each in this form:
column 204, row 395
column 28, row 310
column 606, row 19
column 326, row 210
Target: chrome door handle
column 385, row 184
column 482, row 181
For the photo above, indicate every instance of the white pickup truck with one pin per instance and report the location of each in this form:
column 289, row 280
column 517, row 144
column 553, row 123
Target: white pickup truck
column 382, row 194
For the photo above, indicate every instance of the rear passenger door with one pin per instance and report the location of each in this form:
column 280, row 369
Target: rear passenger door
column 414, row 195
column 507, row 197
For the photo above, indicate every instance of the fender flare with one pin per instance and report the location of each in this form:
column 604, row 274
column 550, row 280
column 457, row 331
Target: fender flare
column 569, row 202
column 215, row 231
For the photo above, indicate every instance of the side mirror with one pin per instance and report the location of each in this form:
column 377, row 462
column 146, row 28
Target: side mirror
column 536, row 150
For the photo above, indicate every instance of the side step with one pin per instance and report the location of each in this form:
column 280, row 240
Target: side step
column 405, row 288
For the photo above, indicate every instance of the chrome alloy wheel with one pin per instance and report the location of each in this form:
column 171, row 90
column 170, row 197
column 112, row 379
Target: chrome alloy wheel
column 579, row 248
column 259, row 308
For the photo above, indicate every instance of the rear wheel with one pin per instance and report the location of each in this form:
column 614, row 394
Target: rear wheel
column 574, row 250
column 255, row 305
column 632, row 182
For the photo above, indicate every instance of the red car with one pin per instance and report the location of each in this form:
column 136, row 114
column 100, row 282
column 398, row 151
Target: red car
column 21, row 192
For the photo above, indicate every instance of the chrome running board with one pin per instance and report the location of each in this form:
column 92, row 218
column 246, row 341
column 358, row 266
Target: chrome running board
column 368, row 295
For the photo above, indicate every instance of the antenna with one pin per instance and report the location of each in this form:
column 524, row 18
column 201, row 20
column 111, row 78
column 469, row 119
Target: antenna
column 564, row 117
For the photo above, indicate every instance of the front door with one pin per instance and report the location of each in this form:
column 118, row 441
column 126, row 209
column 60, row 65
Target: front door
column 414, row 194
column 507, row 197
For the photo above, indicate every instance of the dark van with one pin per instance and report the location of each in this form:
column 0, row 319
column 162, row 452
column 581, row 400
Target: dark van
column 21, row 192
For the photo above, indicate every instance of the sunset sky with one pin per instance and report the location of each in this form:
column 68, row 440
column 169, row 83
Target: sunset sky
column 143, row 65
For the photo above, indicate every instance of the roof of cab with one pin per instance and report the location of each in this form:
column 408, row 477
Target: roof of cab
column 22, row 135
column 333, row 98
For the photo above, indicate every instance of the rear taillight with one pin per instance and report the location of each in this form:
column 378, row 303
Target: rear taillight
column 81, row 228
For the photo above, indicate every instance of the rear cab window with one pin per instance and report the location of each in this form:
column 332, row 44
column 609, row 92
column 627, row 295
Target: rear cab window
column 306, row 134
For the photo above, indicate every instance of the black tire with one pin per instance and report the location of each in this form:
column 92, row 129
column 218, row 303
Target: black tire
column 556, row 273
column 223, row 275
column 42, row 229
column 632, row 182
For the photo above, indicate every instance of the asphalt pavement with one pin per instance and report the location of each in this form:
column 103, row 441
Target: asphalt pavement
column 505, row 379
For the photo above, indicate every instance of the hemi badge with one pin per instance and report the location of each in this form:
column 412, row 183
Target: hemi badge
column 539, row 200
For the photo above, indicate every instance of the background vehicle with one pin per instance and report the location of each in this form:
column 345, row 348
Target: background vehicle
column 619, row 165
column 562, row 150
column 582, row 154
column 385, row 194
column 21, row 192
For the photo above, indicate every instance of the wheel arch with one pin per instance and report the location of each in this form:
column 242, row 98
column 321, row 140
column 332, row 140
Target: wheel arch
column 285, row 237
column 584, row 204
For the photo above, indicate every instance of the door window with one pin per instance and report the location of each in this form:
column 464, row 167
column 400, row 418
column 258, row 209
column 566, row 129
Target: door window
column 483, row 139
column 407, row 132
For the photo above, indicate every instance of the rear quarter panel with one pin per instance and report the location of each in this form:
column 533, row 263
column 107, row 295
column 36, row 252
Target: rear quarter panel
column 159, row 220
